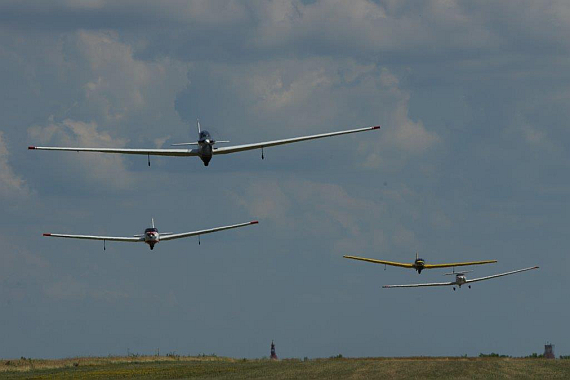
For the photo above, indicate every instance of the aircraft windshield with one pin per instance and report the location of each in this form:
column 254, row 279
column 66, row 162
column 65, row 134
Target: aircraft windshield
column 151, row 230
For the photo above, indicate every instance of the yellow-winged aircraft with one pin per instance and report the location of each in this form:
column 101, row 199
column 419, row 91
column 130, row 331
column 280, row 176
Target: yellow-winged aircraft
column 420, row 264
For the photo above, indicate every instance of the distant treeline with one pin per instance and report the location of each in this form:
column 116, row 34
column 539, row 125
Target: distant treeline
column 534, row 355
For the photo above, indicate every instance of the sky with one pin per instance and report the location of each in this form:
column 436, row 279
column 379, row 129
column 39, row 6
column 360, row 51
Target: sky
column 471, row 163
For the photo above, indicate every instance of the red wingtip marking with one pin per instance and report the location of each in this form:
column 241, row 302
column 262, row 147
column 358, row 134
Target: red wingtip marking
column 254, row 222
column 376, row 127
column 47, row 234
column 31, row 147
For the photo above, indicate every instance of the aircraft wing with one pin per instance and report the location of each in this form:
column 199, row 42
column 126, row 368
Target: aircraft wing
column 151, row 152
column 418, row 285
column 202, row 232
column 500, row 274
column 90, row 237
column 241, row 148
column 432, row 266
column 403, row 265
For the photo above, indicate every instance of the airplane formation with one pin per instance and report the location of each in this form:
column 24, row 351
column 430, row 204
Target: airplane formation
column 419, row 265
column 205, row 149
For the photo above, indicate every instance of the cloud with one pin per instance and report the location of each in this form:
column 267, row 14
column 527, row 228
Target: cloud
column 93, row 92
column 313, row 209
column 322, row 94
column 93, row 168
column 385, row 222
column 402, row 137
column 407, row 135
column 11, row 185
column 125, row 93
column 91, row 76
column 383, row 29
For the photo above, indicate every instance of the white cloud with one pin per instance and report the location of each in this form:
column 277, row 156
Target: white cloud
column 302, row 207
column 400, row 134
column 101, row 95
column 310, row 209
column 94, row 168
column 404, row 133
column 125, row 93
column 324, row 94
column 11, row 185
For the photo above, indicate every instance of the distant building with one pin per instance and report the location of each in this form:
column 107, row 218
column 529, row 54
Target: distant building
column 273, row 354
column 549, row 351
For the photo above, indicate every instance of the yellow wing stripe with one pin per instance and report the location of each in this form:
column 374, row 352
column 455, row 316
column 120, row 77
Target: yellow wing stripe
column 403, row 265
column 431, row 266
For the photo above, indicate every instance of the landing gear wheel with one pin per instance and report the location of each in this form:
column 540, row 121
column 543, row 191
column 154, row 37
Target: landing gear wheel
column 454, row 289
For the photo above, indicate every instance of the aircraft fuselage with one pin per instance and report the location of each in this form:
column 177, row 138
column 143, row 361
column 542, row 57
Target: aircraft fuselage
column 460, row 280
column 205, row 143
column 151, row 237
column 419, row 265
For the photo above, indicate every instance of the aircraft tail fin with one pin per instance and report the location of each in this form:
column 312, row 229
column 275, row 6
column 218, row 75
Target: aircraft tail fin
column 416, row 255
column 198, row 125
column 182, row 144
column 152, row 220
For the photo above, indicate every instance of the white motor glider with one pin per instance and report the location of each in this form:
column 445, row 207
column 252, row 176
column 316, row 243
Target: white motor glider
column 151, row 235
column 204, row 146
column 459, row 280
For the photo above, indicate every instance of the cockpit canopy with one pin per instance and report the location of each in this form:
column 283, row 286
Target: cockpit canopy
column 419, row 259
column 150, row 230
column 204, row 135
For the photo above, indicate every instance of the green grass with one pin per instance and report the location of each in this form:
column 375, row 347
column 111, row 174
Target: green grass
column 150, row 367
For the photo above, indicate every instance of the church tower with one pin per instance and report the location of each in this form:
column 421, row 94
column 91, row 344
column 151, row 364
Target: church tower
column 273, row 354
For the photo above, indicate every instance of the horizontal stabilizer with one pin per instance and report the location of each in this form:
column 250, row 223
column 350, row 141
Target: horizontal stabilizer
column 456, row 273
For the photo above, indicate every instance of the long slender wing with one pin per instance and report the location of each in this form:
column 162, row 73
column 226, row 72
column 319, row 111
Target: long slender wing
column 500, row 274
column 202, row 232
column 151, row 152
column 240, row 148
column 432, row 266
column 90, row 237
column 418, row 285
column 403, row 265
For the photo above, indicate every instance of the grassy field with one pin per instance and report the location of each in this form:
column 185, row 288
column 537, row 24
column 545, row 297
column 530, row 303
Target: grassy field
column 152, row 367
